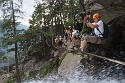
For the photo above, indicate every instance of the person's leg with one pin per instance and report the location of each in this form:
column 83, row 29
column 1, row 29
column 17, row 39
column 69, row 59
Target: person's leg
column 76, row 41
column 70, row 37
column 57, row 44
column 83, row 44
column 87, row 38
column 64, row 38
column 73, row 39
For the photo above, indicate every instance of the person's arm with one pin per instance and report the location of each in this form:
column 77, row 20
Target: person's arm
column 92, row 25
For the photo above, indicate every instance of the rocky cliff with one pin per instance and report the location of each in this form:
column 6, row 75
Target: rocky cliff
column 111, row 9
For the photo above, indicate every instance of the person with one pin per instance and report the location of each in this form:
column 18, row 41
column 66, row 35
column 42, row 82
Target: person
column 71, row 30
column 66, row 33
column 57, row 40
column 60, row 41
column 98, row 31
column 77, row 29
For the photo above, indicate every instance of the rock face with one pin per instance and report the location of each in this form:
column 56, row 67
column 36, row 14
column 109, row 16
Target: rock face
column 117, row 30
column 69, row 63
column 111, row 10
column 3, row 78
column 112, row 3
column 97, row 7
column 31, row 65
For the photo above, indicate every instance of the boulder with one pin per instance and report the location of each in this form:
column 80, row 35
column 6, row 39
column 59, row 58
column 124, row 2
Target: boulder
column 97, row 6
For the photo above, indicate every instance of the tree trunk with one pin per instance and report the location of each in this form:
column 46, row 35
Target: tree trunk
column 52, row 31
column 18, row 80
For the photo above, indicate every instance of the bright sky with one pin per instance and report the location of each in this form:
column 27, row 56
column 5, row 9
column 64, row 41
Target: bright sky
column 28, row 10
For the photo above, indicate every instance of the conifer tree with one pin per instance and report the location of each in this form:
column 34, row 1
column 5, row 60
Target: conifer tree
column 11, row 11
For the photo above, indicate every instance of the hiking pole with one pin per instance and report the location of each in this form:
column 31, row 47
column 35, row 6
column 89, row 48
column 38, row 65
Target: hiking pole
column 105, row 58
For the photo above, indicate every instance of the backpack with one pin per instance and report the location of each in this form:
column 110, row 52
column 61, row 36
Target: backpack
column 106, row 33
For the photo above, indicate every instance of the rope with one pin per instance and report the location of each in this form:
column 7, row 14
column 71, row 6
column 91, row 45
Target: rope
column 105, row 58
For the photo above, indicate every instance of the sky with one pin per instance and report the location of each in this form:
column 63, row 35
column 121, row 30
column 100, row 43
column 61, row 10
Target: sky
column 28, row 10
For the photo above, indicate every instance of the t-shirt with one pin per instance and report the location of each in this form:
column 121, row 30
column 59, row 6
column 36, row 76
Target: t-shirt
column 60, row 39
column 101, row 29
column 78, row 26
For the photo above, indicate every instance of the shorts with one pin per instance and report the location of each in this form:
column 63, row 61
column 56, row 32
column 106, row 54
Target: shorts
column 75, row 32
column 92, row 39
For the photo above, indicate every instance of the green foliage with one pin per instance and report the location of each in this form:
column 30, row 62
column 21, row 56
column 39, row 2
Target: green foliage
column 11, row 80
column 11, row 12
column 70, row 21
column 33, row 73
column 9, row 25
column 47, row 68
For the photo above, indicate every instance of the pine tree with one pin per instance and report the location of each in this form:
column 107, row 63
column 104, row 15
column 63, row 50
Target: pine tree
column 11, row 12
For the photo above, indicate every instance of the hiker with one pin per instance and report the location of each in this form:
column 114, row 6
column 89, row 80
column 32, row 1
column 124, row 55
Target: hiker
column 97, row 36
column 60, row 41
column 66, row 33
column 57, row 40
column 71, row 30
column 77, row 29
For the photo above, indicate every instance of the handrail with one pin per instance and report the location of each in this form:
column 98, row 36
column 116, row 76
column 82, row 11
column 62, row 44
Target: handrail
column 105, row 58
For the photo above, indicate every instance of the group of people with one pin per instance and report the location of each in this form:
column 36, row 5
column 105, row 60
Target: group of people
column 96, row 26
column 61, row 40
column 58, row 41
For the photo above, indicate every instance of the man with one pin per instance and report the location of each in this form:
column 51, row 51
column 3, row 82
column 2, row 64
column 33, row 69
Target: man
column 98, row 31
column 77, row 29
